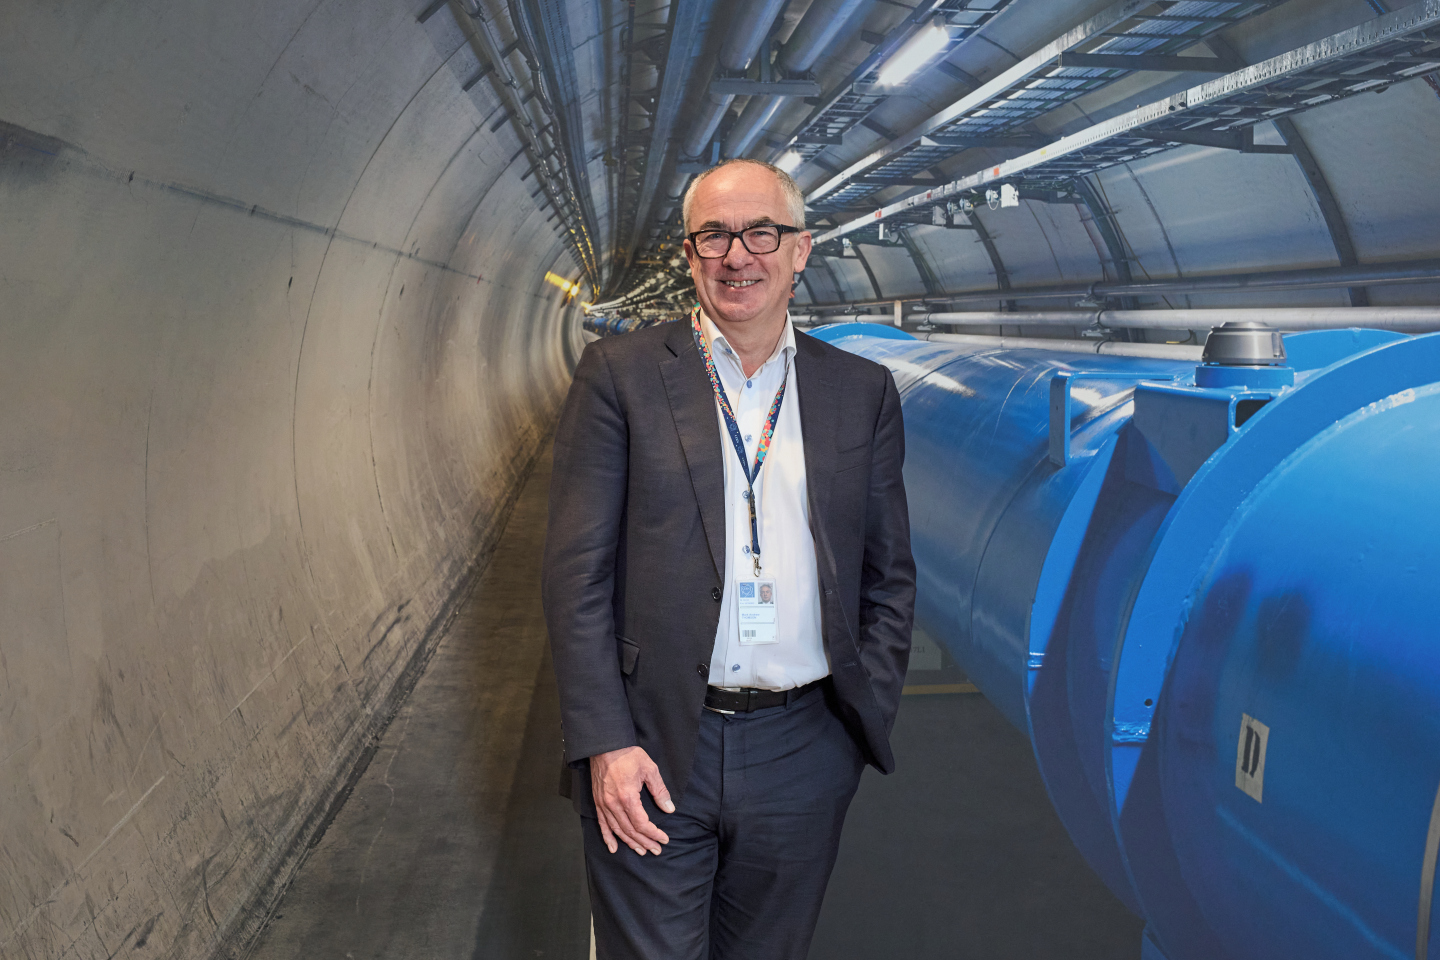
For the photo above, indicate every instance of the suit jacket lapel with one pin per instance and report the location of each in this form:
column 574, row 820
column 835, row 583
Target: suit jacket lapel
column 819, row 402
column 692, row 404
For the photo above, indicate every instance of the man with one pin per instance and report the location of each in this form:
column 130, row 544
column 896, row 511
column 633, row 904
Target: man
column 714, row 739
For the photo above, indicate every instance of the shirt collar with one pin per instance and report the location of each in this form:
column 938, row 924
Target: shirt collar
column 717, row 343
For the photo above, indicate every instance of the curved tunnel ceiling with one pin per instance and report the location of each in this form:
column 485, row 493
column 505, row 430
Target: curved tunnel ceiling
column 283, row 324
column 1337, row 179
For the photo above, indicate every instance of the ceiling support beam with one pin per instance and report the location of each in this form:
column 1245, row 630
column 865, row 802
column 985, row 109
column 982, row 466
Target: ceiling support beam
column 1325, row 199
column 1319, row 189
column 1153, row 62
column 809, row 290
column 740, row 87
column 834, row 280
column 1002, row 276
column 1242, row 140
column 922, row 265
column 1104, row 220
column 875, row 284
column 965, row 143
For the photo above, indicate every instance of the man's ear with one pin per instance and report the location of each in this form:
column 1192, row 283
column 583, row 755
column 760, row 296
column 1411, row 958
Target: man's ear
column 803, row 247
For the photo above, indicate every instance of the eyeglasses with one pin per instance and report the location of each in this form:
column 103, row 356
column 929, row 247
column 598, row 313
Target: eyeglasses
column 714, row 244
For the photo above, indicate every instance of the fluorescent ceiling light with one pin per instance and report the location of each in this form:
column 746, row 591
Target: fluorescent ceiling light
column 915, row 53
column 790, row 162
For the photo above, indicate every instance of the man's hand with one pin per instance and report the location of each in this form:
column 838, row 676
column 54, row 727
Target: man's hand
column 615, row 781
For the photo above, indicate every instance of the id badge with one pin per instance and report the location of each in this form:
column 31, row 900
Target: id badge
column 758, row 623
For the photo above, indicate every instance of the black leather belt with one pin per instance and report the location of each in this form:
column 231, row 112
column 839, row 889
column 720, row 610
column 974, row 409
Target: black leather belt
column 749, row 699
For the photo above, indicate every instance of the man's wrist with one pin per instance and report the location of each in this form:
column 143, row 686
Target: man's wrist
column 608, row 751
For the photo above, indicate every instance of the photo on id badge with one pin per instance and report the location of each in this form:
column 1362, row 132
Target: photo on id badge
column 757, row 611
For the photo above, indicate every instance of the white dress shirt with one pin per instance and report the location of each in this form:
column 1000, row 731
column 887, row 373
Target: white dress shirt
column 787, row 549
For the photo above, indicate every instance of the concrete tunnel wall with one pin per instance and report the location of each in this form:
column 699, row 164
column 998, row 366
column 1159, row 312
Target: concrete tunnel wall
column 275, row 354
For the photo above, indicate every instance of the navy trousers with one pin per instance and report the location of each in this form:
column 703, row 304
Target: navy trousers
column 752, row 843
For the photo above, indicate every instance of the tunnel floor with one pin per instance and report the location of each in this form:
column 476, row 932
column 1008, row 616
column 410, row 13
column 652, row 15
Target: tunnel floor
column 454, row 844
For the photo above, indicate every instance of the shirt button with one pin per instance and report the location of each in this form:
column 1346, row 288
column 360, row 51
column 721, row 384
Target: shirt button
column 715, row 594
column 745, row 550
column 735, row 668
column 748, row 438
column 749, row 383
column 702, row 669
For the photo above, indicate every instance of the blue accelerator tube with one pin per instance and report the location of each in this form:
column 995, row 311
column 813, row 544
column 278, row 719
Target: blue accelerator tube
column 612, row 326
column 1212, row 608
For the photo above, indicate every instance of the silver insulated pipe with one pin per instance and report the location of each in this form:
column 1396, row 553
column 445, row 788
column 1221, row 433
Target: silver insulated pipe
column 750, row 25
column 825, row 21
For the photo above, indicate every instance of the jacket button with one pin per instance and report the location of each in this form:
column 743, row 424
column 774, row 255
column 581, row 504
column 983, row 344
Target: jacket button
column 715, row 594
column 703, row 669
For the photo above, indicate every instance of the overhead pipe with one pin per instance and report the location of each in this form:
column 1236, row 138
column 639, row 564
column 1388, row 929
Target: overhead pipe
column 816, row 32
column 1403, row 319
column 750, row 26
column 756, row 18
column 689, row 29
column 1314, row 278
column 535, row 150
column 1116, row 348
column 1163, row 351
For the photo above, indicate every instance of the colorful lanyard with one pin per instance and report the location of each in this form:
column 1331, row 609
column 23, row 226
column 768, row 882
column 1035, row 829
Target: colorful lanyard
column 766, row 432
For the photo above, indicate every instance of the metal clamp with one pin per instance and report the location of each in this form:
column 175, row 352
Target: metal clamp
column 1060, row 405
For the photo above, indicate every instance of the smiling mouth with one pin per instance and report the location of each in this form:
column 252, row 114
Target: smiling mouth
column 739, row 284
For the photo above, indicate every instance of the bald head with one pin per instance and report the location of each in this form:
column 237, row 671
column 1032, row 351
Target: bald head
column 794, row 200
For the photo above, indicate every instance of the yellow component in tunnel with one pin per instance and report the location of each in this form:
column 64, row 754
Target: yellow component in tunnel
column 571, row 289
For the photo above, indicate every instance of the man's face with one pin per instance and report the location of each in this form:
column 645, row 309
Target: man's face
column 743, row 286
column 765, row 593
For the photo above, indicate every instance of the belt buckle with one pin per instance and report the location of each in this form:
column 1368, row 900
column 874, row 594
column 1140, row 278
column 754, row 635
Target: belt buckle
column 717, row 709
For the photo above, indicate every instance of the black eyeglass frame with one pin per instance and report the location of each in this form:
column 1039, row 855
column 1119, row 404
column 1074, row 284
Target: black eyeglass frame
column 784, row 228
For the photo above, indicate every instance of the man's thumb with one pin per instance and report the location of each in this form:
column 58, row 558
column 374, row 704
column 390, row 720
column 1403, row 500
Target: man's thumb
column 658, row 791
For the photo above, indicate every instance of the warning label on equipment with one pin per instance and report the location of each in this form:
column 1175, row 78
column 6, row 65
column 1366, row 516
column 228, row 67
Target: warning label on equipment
column 1250, row 757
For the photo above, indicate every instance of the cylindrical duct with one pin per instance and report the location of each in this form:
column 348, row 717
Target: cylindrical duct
column 1166, row 351
column 821, row 25
column 757, row 113
column 750, row 25
column 747, row 32
column 1209, row 607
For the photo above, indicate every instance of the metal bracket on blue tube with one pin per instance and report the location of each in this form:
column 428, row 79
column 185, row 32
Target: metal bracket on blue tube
column 1060, row 408
column 1060, row 419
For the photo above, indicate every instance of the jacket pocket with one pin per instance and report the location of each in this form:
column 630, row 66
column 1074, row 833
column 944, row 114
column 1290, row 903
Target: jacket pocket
column 629, row 652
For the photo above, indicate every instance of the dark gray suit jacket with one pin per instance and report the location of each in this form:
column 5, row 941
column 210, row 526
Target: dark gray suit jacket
column 635, row 549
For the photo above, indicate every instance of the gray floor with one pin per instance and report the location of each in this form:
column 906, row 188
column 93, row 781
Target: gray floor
column 454, row 844
column 958, row 855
